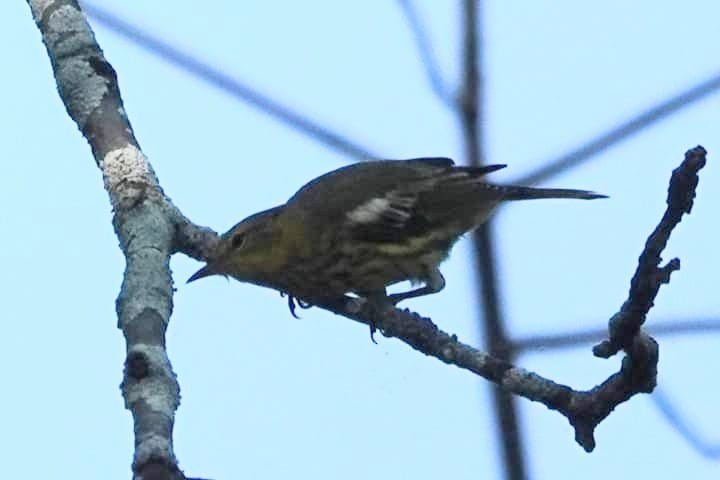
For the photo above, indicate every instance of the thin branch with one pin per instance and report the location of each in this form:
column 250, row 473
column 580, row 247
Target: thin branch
column 544, row 343
column 638, row 374
column 618, row 134
column 145, row 222
column 678, row 422
column 583, row 409
column 232, row 86
column 427, row 55
column 649, row 276
column 670, row 412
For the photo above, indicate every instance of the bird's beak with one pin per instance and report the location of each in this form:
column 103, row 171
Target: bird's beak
column 206, row 271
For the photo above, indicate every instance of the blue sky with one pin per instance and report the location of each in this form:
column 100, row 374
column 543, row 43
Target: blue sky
column 265, row 395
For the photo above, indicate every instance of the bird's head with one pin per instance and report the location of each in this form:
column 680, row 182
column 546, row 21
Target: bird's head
column 249, row 251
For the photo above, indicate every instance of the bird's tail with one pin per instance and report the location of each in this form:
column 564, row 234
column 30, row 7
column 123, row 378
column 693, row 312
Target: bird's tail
column 529, row 193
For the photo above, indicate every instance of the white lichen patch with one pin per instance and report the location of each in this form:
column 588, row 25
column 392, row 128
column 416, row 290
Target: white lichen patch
column 125, row 172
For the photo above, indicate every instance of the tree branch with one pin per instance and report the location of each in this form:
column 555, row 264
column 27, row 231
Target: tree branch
column 146, row 223
column 625, row 325
column 638, row 374
column 583, row 409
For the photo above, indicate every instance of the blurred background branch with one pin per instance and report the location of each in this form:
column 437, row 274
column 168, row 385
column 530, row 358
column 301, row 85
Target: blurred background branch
column 688, row 431
column 234, row 87
column 217, row 78
column 622, row 132
column 426, row 53
column 582, row 338
column 471, row 117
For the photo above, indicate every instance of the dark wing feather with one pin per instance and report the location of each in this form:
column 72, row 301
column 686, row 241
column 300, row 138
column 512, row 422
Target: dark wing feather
column 442, row 162
column 450, row 196
column 379, row 200
column 390, row 218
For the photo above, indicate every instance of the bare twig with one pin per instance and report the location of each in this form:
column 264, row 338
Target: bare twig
column 671, row 413
column 427, row 56
column 584, row 409
column 236, row 88
column 649, row 276
column 620, row 133
column 145, row 222
column 638, row 373
column 551, row 342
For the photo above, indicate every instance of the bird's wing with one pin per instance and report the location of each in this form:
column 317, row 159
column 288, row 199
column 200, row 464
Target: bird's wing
column 386, row 201
column 391, row 216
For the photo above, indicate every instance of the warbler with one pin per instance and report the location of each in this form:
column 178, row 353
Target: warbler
column 365, row 226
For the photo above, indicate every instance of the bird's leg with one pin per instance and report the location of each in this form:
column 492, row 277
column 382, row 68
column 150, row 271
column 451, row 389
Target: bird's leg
column 433, row 284
column 379, row 303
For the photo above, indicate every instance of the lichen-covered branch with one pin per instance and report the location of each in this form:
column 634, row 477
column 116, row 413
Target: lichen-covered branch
column 146, row 223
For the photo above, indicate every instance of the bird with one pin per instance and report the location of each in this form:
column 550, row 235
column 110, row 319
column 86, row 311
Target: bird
column 365, row 226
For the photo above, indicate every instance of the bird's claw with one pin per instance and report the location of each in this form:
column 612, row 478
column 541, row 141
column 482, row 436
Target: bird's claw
column 379, row 305
column 294, row 302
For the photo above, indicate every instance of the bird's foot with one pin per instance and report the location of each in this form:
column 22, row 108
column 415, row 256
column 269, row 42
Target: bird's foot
column 378, row 304
column 294, row 302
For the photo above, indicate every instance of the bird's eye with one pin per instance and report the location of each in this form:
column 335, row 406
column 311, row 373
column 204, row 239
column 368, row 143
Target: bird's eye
column 238, row 240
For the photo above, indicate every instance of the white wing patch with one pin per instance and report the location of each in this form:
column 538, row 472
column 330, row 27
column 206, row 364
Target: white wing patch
column 369, row 212
column 395, row 208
